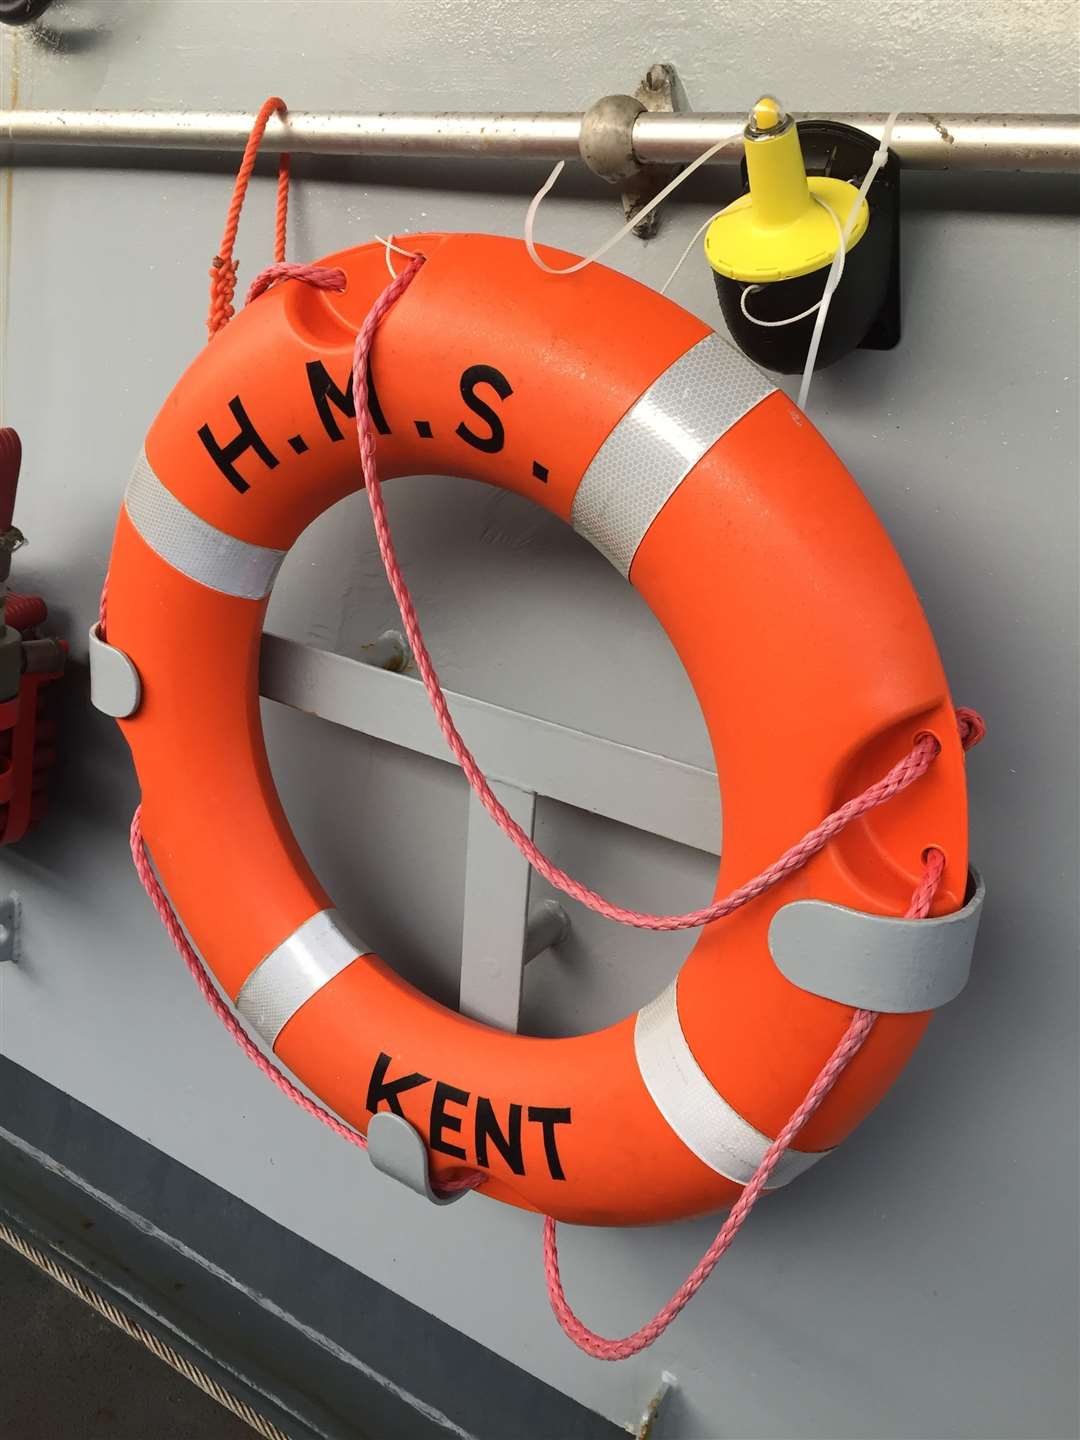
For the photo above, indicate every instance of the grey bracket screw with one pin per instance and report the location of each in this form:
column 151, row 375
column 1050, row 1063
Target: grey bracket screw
column 9, row 929
column 388, row 651
column 660, row 93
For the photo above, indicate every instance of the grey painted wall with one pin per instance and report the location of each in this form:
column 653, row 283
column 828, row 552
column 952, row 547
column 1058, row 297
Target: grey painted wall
column 924, row 1282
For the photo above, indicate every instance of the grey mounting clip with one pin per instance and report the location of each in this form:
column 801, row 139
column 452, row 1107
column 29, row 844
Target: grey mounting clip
column 607, row 142
column 398, row 1150
column 115, row 686
column 877, row 962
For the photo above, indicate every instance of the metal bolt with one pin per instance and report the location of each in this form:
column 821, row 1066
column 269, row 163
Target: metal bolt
column 548, row 927
column 388, row 651
column 9, row 922
column 656, row 79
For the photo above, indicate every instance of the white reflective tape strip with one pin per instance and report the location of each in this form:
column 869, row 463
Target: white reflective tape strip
column 701, row 1117
column 190, row 545
column 659, row 441
column 289, row 976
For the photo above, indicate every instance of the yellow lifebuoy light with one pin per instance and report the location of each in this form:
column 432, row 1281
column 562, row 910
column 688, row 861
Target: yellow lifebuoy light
column 779, row 230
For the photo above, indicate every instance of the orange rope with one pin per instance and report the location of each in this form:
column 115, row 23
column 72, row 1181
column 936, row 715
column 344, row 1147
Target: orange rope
column 282, row 209
column 224, row 267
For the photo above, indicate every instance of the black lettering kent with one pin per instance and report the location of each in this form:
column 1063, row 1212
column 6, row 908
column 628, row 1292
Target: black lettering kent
column 448, row 1116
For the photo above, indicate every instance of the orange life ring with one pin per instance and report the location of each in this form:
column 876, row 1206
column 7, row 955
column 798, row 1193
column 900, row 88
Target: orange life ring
column 804, row 640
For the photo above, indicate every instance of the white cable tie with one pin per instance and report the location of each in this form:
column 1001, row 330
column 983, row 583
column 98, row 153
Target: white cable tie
column 880, row 157
column 388, row 242
column 832, row 280
column 836, row 269
column 682, row 258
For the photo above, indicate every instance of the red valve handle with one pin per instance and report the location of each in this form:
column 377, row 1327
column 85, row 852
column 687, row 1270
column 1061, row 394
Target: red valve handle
column 10, row 463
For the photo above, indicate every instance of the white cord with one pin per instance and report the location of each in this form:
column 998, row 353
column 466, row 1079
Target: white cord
column 881, row 155
column 388, row 242
column 682, row 258
column 672, row 185
column 832, row 280
column 836, row 269
column 749, row 290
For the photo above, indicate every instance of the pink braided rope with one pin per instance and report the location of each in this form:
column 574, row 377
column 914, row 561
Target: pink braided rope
column 168, row 917
column 904, row 773
column 852, row 1041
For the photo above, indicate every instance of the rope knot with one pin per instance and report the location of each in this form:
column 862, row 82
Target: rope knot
column 223, row 267
column 971, row 725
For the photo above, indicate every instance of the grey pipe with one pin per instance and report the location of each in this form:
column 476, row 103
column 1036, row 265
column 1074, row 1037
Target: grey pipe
column 1043, row 143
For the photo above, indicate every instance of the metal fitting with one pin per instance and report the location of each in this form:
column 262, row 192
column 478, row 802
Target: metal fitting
column 11, row 540
column 43, row 657
column 10, row 915
column 11, row 662
column 607, row 137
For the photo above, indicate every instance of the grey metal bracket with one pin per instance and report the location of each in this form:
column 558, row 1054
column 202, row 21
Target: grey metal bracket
column 648, row 791
column 500, row 934
column 646, row 1427
column 877, row 962
column 606, row 142
column 397, row 1150
column 10, row 915
column 115, row 686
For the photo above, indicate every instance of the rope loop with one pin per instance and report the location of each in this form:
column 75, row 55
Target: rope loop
column 321, row 277
column 223, row 267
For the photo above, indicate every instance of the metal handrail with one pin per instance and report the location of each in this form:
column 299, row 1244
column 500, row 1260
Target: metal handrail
column 1049, row 144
